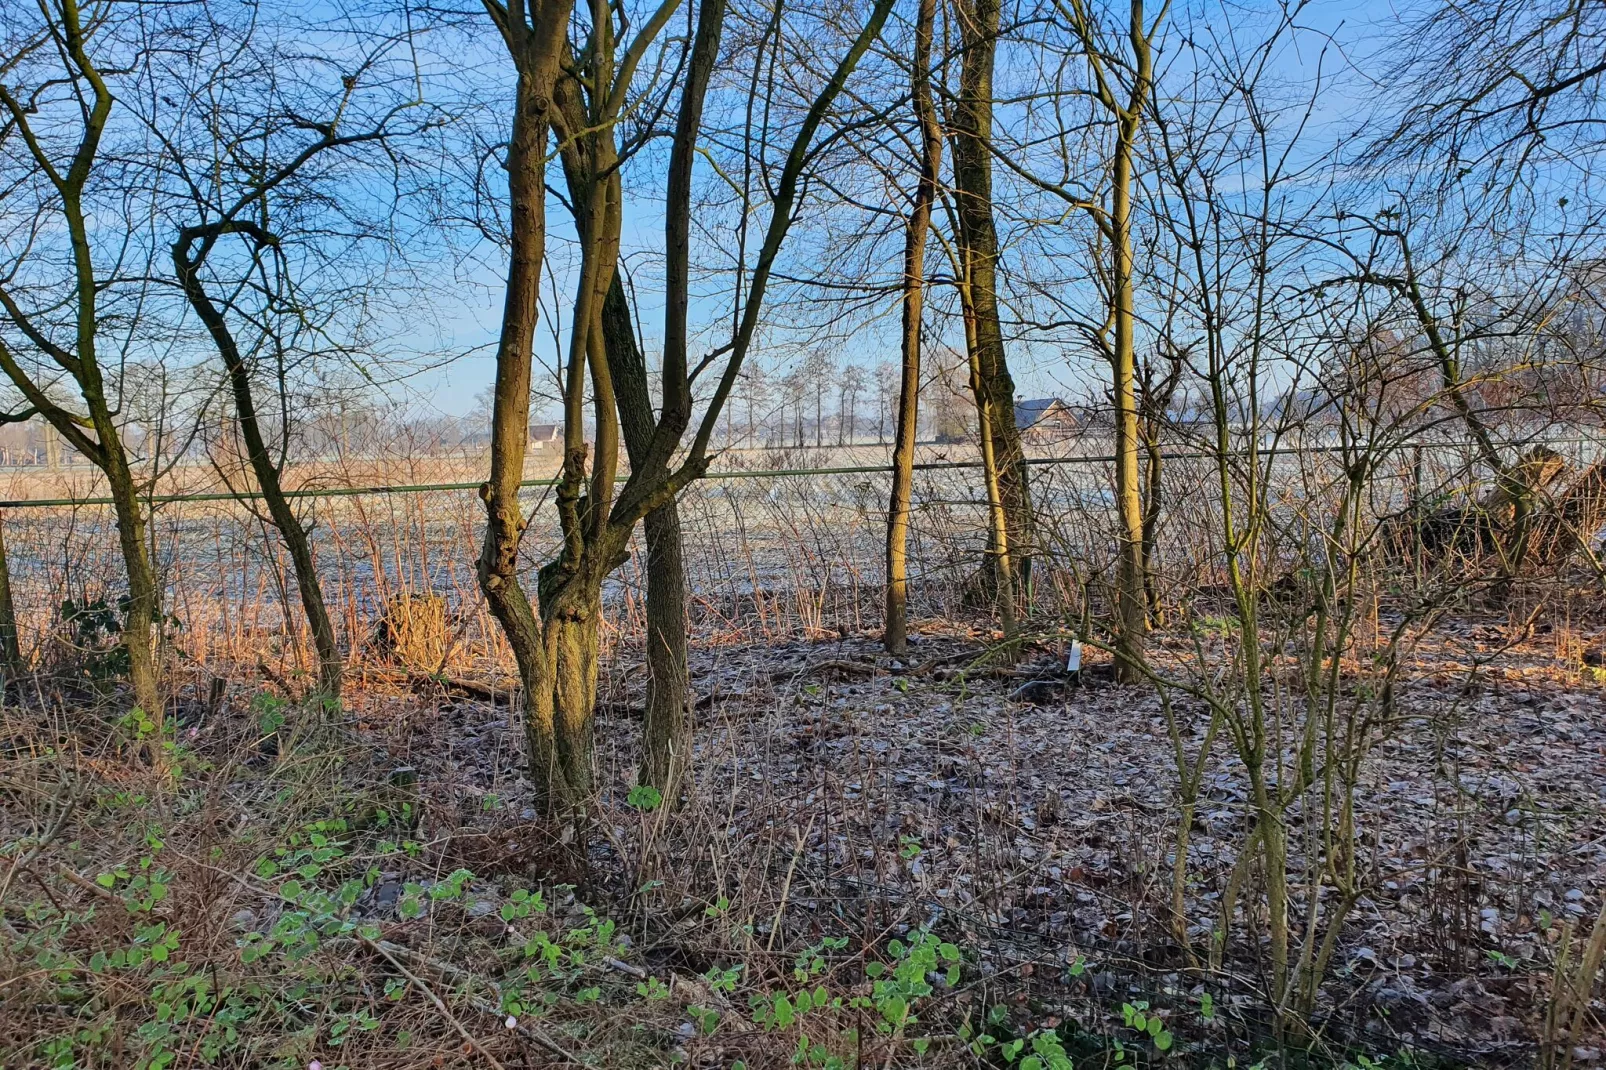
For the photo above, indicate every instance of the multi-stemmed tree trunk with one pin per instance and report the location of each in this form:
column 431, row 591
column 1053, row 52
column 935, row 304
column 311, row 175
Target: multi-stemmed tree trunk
column 535, row 37
column 896, row 635
column 584, row 120
column 187, row 260
column 557, row 650
column 94, row 432
column 970, row 130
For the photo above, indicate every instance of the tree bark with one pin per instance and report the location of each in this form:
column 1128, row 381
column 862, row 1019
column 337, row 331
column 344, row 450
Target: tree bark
column 666, row 726
column 1132, row 567
column 998, row 540
column 80, row 360
column 10, row 649
column 604, row 343
column 970, row 131
column 895, row 636
column 144, row 601
column 1131, row 590
column 535, row 47
column 571, row 585
column 1132, row 616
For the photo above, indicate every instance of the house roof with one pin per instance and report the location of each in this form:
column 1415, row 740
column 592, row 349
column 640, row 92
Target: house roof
column 546, row 432
column 1029, row 413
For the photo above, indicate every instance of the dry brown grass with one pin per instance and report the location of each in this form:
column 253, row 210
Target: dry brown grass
column 839, row 802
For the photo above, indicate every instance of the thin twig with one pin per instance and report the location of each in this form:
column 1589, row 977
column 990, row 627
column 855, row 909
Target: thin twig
column 433, row 998
column 786, row 886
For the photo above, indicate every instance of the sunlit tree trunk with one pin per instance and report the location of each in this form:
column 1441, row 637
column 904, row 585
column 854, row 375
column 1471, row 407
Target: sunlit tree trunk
column 896, row 634
column 1125, row 108
column 535, row 43
column 971, row 132
column 1132, row 614
column 998, row 541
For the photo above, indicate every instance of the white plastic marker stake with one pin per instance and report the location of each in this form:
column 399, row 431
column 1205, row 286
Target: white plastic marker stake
column 1073, row 657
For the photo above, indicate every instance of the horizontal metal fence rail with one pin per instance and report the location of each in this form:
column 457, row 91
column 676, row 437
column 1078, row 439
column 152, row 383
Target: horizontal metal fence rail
column 715, row 477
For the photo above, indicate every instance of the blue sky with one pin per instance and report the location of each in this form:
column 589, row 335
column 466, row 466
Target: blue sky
column 467, row 311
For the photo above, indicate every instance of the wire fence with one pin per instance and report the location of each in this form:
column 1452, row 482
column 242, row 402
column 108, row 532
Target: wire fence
column 774, row 546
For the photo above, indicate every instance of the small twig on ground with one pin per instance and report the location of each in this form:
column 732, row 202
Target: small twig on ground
column 624, row 967
column 433, row 998
column 813, row 668
column 85, row 883
column 786, row 886
column 394, row 952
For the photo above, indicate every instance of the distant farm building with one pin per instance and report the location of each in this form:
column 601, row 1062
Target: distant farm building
column 1045, row 420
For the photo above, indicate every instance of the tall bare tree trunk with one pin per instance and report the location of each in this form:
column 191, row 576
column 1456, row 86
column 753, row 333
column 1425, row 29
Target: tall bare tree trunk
column 594, row 539
column 1131, row 594
column 535, row 46
column 330, row 664
column 666, row 726
column 1002, row 571
column 144, row 600
column 79, row 359
column 970, row 128
column 1132, row 615
column 896, row 635
column 10, row 649
column 571, row 585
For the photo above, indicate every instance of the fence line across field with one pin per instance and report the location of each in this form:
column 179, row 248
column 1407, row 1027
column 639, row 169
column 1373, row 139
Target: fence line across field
column 770, row 551
column 729, row 474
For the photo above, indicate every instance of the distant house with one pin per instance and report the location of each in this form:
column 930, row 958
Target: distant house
column 1045, row 420
column 544, row 435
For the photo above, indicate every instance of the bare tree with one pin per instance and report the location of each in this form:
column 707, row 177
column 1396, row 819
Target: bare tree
column 1505, row 95
column 57, row 112
column 589, row 164
column 1121, row 85
column 277, row 198
column 847, row 409
column 969, row 125
column 818, row 369
column 886, row 383
column 535, row 36
column 895, row 635
column 557, row 651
